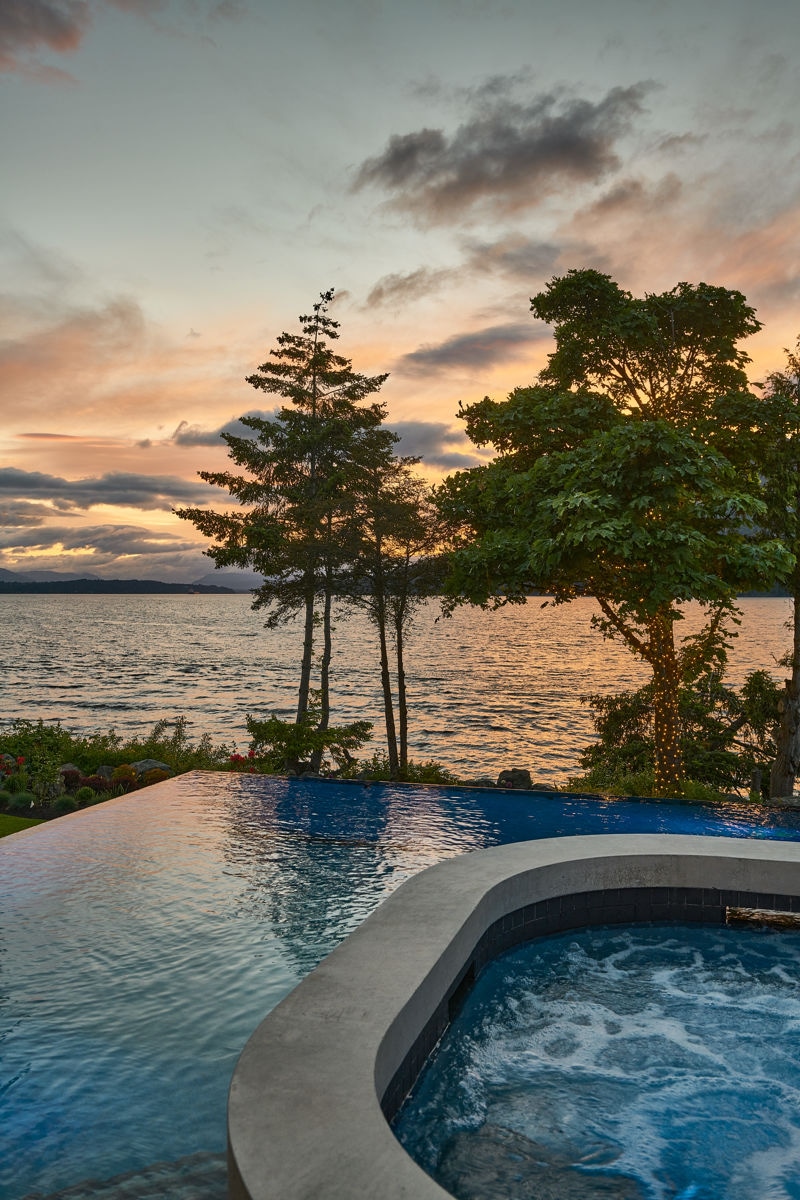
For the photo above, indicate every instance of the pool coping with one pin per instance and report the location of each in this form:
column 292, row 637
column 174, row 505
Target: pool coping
column 305, row 1115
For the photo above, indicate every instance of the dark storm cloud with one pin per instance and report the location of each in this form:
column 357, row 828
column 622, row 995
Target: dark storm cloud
column 432, row 442
column 476, row 350
column 116, row 487
column 507, row 155
column 399, row 289
column 27, row 26
column 195, row 435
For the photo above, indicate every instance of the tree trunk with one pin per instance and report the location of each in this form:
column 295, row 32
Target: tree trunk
column 325, row 667
column 402, row 699
column 666, row 721
column 386, row 684
column 787, row 763
column 308, row 650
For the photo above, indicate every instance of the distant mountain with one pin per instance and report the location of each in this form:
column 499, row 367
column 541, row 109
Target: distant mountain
column 42, row 576
column 239, row 581
column 95, row 587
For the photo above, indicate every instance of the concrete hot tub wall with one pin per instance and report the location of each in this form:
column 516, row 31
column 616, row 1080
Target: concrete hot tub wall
column 316, row 1084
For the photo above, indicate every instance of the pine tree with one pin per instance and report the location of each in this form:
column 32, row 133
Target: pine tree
column 294, row 484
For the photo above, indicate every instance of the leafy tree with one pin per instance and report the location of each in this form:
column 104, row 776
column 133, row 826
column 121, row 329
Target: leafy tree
column 610, row 479
column 726, row 737
column 295, row 486
column 779, row 462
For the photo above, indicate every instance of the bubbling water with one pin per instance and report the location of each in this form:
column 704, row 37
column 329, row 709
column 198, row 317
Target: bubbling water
column 644, row 1063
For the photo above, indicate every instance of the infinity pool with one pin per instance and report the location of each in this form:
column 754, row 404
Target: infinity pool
column 639, row 1063
column 144, row 939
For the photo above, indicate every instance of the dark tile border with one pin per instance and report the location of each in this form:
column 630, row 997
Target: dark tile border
column 613, row 906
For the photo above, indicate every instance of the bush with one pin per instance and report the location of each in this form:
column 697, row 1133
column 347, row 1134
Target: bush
column 154, row 775
column 65, row 804
column 21, row 802
column 4, row 798
column 377, row 768
column 85, row 795
column 97, row 783
column 124, row 773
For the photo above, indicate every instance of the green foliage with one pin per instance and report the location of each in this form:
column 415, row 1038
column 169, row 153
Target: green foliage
column 5, row 796
column 85, row 795
column 378, row 767
column 278, row 745
column 725, row 736
column 620, row 476
column 65, row 804
column 21, row 802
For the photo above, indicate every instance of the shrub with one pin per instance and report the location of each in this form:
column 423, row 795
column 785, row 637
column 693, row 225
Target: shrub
column 124, row 773
column 85, row 795
column 21, row 802
column 97, row 783
column 377, row 767
column 154, row 775
column 4, row 798
column 71, row 779
column 65, row 804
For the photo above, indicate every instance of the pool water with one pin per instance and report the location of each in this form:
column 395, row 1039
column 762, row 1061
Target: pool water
column 143, row 940
column 644, row 1062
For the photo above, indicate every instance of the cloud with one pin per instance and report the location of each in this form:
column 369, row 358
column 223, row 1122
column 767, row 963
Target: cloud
column 473, row 351
column 432, row 442
column 17, row 514
column 118, row 488
column 507, row 156
column 28, row 26
column 397, row 290
column 95, row 541
column 195, row 435
column 515, row 256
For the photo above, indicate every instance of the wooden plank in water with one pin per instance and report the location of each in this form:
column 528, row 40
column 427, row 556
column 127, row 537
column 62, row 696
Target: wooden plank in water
column 771, row 917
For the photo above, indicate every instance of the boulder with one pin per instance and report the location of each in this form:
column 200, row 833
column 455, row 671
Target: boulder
column 151, row 764
column 105, row 772
column 514, row 777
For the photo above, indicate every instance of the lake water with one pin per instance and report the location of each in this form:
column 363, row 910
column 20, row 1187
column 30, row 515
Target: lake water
column 487, row 691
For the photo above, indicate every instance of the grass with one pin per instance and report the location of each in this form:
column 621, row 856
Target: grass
column 15, row 824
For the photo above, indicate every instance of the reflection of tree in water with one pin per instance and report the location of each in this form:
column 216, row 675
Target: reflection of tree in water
column 313, row 869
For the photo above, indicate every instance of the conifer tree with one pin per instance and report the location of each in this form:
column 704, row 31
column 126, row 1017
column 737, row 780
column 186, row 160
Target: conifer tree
column 293, row 485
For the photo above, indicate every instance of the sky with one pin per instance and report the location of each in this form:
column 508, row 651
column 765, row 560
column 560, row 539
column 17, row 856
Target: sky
column 182, row 178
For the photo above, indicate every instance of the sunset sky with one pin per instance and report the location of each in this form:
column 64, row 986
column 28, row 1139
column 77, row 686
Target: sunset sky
column 181, row 178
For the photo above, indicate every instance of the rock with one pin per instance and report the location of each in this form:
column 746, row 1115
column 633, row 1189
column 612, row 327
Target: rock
column 105, row 772
column 514, row 777
column 69, row 767
column 311, row 775
column 151, row 764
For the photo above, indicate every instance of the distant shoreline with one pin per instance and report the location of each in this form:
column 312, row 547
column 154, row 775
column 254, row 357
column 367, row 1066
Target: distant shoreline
column 104, row 587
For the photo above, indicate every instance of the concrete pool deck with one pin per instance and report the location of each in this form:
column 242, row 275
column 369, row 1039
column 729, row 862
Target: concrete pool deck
column 316, row 1084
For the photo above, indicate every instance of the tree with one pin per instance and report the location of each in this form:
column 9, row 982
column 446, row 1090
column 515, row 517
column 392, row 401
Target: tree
column 294, row 490
column 610, row 480
column 779, row 462
column 394, row 527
